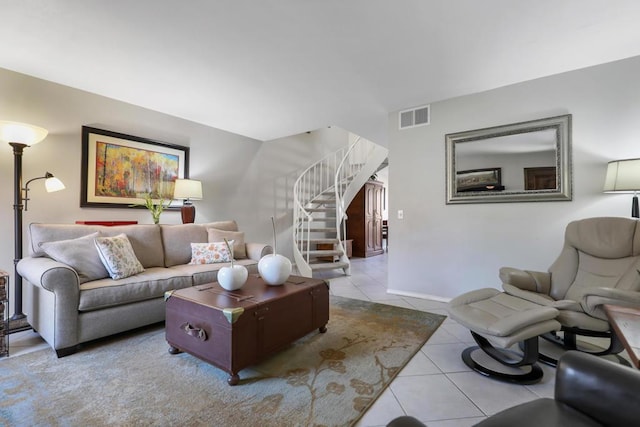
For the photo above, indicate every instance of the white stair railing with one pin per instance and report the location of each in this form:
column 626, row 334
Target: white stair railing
column 339, row 175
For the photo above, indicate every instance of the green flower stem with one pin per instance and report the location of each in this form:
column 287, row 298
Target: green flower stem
column 155, row 209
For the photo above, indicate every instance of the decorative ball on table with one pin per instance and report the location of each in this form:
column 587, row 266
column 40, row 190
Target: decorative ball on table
column 273, row 268
column 233, row 277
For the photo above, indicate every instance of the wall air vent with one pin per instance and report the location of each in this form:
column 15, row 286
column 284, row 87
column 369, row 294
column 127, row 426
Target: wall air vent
column 420, row 116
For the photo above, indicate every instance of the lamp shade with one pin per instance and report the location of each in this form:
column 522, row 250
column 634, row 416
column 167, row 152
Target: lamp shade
column 622, row 176
column 53, row 184
column 187, row 189
column 21, row 133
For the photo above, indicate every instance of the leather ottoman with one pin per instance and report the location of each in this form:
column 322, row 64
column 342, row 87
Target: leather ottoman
column 498, row 319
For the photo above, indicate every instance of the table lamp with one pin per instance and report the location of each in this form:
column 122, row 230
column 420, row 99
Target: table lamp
column 187, row 190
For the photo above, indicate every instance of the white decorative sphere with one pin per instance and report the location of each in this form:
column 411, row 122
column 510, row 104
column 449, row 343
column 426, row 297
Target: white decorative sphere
column 274, row 269
column 232, row 278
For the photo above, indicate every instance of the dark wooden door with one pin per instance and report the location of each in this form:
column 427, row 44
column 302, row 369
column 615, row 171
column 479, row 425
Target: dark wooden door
column 364, row 224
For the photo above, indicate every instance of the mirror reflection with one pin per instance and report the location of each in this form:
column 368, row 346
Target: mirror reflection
column 526, row 161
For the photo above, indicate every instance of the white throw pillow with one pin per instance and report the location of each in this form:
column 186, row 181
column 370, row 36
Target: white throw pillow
column 118, row 256
column 210, row 253
column 79, row 254
column 239, row 248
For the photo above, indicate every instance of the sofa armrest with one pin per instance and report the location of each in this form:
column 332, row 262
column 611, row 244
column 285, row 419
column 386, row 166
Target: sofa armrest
column 593, row 299
column 541, row 299
column 533, row 297
column 53, row 276
column 48, row 274
column 534, row 281
column 258, row 250
column 52, row 304
column 601, row 389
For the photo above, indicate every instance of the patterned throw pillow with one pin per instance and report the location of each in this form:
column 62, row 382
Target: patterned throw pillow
column 210, row 253
column 118, row 257
column 239, row 248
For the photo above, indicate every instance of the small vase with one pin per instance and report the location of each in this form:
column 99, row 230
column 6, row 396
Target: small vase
column 274, row 269
column 232, row 278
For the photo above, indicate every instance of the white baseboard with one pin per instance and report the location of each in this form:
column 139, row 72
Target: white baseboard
column 417, row 295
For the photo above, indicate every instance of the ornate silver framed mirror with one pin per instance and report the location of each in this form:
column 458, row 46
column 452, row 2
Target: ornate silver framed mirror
column 521, row 162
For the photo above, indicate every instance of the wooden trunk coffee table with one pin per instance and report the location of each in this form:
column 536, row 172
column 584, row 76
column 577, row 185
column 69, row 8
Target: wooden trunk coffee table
column 236, row 329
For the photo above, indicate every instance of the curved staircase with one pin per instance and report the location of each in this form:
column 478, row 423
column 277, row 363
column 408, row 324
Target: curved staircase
column 322, row 194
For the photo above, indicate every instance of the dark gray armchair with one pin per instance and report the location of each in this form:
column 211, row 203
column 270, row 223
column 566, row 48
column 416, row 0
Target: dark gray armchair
column 589, row 391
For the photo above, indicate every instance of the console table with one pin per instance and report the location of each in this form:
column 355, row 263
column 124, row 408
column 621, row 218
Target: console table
column 626, row 324
column 107, row 223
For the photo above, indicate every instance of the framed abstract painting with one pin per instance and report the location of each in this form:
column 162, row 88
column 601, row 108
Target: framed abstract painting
column 120, row 170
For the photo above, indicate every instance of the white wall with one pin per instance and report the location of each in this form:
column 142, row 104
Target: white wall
column 243, row 179
column 266, row 189
column 444, row 250
column 439, row 250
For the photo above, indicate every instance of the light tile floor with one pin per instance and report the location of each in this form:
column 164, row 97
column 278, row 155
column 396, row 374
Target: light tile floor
column 435, row 386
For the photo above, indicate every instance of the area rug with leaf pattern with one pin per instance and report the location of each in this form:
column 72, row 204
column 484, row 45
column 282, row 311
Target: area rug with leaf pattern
column 325, row 379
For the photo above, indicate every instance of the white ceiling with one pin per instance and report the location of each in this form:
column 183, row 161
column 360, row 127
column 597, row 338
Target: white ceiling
column 273, row 68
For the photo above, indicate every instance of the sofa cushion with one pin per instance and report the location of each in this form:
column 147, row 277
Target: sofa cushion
column 118, row 256
column 177, row 239
column 151, row 283
column 239, row 249
column 207, row 273
column 40, row 233
column 145, row 238
column 79, row 254
column 209, row 253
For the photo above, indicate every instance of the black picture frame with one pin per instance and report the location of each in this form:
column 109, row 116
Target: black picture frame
column 118, row 170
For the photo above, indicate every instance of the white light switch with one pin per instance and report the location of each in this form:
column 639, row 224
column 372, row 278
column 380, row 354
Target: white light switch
column 400, row 214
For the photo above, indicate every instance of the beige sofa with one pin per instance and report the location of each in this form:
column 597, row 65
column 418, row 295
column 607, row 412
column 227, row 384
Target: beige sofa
column 72, row 303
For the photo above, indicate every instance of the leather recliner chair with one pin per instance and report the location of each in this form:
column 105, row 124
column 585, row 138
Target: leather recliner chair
column 589, row 391
column 599, row 264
